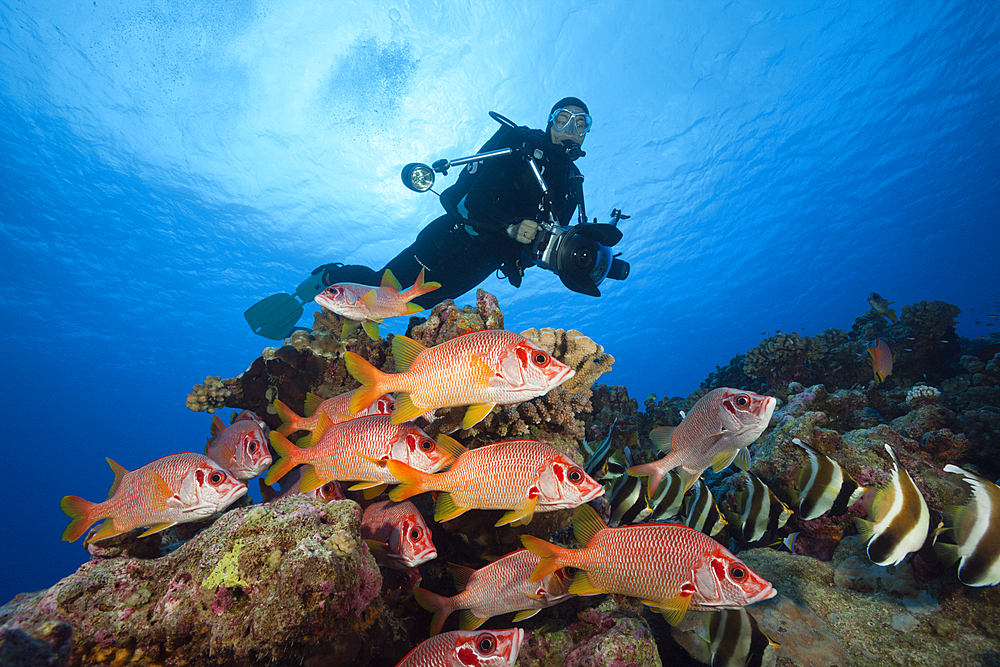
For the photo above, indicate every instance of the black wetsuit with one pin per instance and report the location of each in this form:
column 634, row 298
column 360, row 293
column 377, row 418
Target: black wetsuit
column 464, row 246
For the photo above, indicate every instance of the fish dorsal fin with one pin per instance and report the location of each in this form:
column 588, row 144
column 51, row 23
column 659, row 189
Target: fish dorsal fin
column 313, row 401
column 404, row 352
column 389, row 280
column 371, row 328
column 218, row 426
column 322, row 424
column 119, row 473
column 476, row 414
column 586, row 523
column 461, row 575
column 661, row 437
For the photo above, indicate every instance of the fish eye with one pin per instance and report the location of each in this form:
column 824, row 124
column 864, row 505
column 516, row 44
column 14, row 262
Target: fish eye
column 738, row 573
column 540, row 358
column 575, row 475
column 415, row 534
column 253, row 448
column 486, row 642
column 427, row 445
column 216, row 478
column 327, row 489
column 742, row 400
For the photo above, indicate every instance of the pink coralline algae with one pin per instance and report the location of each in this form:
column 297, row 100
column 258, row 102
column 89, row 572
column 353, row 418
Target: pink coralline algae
column 262, row 584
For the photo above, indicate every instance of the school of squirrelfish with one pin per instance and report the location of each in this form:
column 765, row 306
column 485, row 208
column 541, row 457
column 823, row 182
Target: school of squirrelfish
column 660, row 547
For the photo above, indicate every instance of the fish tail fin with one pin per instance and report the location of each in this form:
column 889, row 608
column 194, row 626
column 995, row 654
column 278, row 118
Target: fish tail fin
column 410, row 480
column 892, row 315
column 438, row 605
column 289, row 420
column 370, row 378
column 654, row 470
column 288, row 459
column 420, row 287
column 548, row 553
column 82, row 514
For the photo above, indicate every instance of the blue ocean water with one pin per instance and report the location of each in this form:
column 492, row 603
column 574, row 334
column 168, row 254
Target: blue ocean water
column 164, row 165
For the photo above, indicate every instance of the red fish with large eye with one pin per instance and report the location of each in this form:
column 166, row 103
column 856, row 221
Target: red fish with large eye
column 717, row 431
column 498, row 588
column 173, row 489
column 290, row 485
column 467, row 648
column 336, row 408
column 357, row 450
column 522, row 476
column 240, row 448
column 670, row 567
column 397, row 534
column 479, row 369
column 369, row 306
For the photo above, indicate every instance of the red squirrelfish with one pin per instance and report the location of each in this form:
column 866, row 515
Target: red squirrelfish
column 240, row 448
column 174, row 489
column 667, row 566
column 523, row 476
column 336, row 408
column 498, row 588
column 370, row 305
column 721, row 424
column 357, row 450
column 465, row 648
column 479, row 369
column 881, row 358
column 290, row 485
column 397, row 534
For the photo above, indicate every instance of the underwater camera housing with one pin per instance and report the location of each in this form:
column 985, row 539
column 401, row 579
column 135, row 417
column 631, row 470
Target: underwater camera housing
column 580, row 255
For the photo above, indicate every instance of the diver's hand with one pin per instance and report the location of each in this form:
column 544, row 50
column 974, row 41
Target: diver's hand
column 524, row 231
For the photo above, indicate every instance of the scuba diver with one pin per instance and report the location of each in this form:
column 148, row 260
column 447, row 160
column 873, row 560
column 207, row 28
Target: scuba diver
column 496, row 215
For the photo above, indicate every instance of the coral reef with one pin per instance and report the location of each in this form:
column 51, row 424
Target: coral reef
column 580, row 353
column 264, row 583
column 447, row 320
column 210, row 396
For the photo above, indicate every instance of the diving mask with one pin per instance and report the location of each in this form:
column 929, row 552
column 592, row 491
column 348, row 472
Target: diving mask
column 566, row 121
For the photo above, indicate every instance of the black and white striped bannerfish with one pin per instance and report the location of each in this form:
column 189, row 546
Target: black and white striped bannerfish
column 902, row 520
column 734, row 639
column 598, row 456
column 700, row 511
column 976, row 527
column 629, row 501
column 760, row 512
column 824, row 486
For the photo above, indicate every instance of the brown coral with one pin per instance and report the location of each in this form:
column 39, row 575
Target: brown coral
column 580, row 353
column 210, row 396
